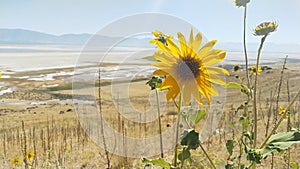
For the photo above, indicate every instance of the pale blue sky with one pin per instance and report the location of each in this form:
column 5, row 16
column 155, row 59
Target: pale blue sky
column 217, row 19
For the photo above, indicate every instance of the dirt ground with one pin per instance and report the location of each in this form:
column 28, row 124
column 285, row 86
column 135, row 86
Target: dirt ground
column 52, row 123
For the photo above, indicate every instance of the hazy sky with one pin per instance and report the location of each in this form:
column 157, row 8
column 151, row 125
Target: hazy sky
column 217, row 19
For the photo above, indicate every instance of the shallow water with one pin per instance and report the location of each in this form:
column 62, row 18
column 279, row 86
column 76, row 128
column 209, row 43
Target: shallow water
column 18, row 58
column 8, row 90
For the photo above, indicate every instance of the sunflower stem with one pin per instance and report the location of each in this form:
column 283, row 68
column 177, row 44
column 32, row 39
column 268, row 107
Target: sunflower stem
column 159, row 125
column 175, row 103
column 255, row 89
column 177, row 128
column 245, row 49
column 207, row 156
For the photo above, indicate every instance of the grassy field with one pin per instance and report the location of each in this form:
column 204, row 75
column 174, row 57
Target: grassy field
column 45, row 120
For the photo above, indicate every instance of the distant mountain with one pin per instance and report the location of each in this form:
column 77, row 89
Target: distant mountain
column 21, row 36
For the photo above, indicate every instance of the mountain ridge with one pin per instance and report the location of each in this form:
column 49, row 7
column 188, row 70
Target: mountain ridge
column 23, row 36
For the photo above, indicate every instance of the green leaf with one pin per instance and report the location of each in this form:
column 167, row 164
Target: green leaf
column 229, row 166
column 190, row 138
column 295, row 165
column 281, row 141
column 197, row 116
column 233, row 85
column 244, row 121
column 157, row 162
column 253, row 155
column 229, row 146
column 184, row 154
column 249, row 135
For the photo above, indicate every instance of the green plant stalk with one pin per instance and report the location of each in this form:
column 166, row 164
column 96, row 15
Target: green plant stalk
column 25, row 146
column 245, row 49
column 101, row 123
column 288, row 127
column 159, row 125
column 182, row 163
column 240, row 153
column 280, row 120
column 279, row 88
column 177, row 128
column 255, row 89
column 207, row 156
column 246, row 112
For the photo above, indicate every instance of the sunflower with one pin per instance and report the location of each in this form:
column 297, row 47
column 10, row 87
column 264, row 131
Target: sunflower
column 236, row 67
column 16, row 161
column 29, row 155
column 189, row 69
column 253, row 69
column 240, row 3
column 154, row 82
column 160, row 37
column 281, row 111
column 265, row 28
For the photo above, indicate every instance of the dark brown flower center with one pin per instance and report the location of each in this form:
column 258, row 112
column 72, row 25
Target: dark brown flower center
column 188, row 68
column 236, row 68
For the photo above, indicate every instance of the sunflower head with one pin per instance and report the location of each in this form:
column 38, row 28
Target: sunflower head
column 236, row 67
column 240, row 3
column 253, row 70
column 160, row 37
column 265, row 28
column 281, row 111
column 30, row 155
column 16, row 161
column 154, row 82
column 189, row 69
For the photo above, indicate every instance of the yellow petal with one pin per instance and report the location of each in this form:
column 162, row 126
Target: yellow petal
column 205, row 94
column 201, row 89
column 213, row 91
column 208, row 88
column 186, row 96
column 173, row 48
column 206, row 48
column 161, row 65
column 172, row 93
column 216, row 70
column 197, row 42
column 169, row 81
column 188, row 89
column 216, row 79
column 182, row 43
column 174, row 89
column 222, row 53
column 191, row 40
column 157, row 33
column 213, row 59
column 159, row 72
column 197, row 96
column 164, row 58
column 167, row 51
column 153, row 41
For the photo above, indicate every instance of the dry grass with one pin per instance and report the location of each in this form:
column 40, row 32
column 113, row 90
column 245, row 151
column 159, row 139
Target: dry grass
column 53, row 131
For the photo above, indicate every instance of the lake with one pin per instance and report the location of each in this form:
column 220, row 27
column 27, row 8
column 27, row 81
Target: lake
column 126, row 62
